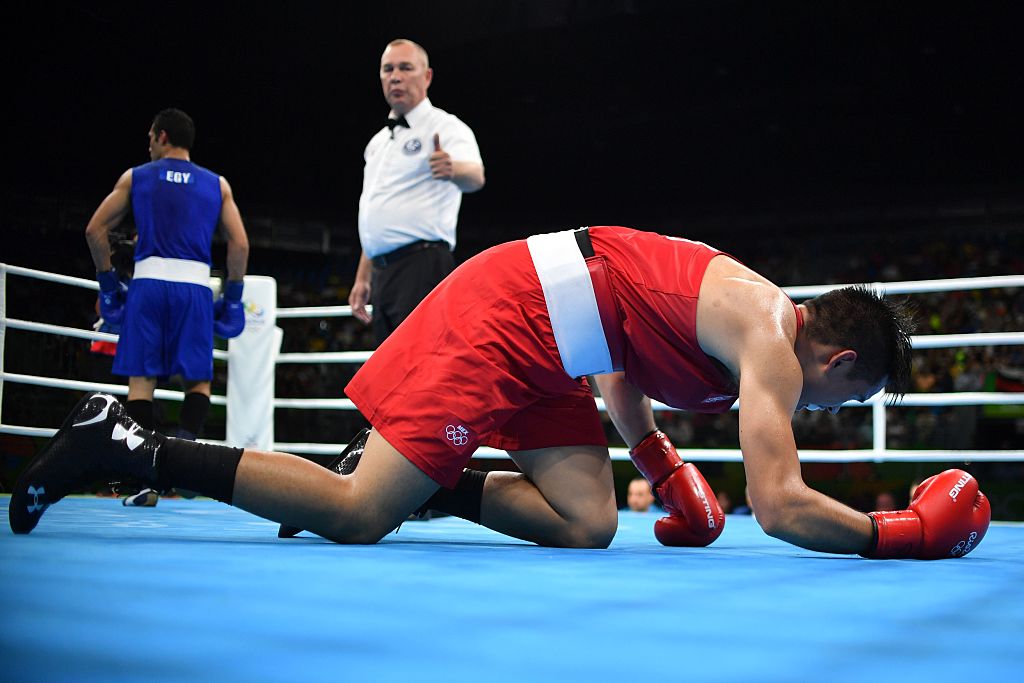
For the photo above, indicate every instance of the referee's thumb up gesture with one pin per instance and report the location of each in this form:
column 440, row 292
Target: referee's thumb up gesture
column 441, row 167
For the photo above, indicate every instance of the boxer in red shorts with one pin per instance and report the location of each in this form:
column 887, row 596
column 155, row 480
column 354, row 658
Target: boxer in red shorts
column 498, row 354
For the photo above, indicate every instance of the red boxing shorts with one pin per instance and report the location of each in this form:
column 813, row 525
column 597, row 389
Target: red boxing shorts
column 476, row 364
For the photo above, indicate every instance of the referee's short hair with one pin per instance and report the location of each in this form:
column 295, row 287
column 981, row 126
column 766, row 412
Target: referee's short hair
column 419, row 48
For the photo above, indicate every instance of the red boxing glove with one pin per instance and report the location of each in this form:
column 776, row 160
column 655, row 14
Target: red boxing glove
column 695, row 517
column 948, row 517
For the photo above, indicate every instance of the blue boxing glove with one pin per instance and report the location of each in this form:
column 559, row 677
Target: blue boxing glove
column 113, row 295
column 228, row 312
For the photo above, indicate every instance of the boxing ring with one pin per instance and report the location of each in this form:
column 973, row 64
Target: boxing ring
column 196, row 589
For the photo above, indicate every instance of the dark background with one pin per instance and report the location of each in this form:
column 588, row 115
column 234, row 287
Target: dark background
column 652, row 113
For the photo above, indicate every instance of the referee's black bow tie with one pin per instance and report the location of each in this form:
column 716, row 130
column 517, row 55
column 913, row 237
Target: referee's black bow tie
column 400, row 121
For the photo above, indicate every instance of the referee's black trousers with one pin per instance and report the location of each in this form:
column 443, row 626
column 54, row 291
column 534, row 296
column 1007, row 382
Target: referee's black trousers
column 396, row 289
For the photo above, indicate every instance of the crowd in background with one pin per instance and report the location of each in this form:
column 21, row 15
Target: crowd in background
column 891, row 257
column 312, row 279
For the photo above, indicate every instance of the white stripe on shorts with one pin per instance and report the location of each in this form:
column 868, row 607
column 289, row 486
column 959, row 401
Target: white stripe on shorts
column 571, row 303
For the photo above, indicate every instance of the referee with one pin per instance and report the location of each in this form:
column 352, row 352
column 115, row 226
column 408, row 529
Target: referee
column 417, row 168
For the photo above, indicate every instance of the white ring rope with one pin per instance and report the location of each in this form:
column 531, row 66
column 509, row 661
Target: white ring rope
column 50, row 277
column 915, row 286
column 926, row 341
column 325, row 357
column 879, row 453
column 15, row 324
column 316, row 312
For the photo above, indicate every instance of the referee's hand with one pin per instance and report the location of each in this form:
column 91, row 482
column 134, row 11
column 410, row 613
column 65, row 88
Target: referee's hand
column 441, row 166
column 357, row 299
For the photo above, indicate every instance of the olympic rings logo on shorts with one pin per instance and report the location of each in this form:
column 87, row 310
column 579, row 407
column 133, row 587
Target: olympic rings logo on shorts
column 457, row 435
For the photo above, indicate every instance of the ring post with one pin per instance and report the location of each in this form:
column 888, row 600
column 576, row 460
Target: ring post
column 3, row 331
column 252, row 358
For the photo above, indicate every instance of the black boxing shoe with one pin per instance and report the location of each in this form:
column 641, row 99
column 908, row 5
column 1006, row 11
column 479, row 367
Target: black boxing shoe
column 146, row 498
column 342, row 465
column 97, row 440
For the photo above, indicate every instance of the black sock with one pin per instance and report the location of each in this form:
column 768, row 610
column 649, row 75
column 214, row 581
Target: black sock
column 204, row 468
column 141, row 411
column 193, row 415
column 462, row 501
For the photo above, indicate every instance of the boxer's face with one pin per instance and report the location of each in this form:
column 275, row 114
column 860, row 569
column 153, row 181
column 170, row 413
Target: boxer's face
column 831, row 389
column 404, row 77
column 157, row 145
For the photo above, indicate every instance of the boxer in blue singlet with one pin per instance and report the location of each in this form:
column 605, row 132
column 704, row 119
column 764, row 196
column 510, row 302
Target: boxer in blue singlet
column 167, row 316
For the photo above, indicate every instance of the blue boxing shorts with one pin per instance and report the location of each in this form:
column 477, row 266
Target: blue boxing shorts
column 167, row 330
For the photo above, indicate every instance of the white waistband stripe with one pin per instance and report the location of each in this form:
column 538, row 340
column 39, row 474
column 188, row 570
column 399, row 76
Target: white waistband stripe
column 172, row 270
column 572, row 305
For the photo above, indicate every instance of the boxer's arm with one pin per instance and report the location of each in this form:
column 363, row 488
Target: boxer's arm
column 234, row 231
column 784, row 505
column 628, row 408
column 108, row 215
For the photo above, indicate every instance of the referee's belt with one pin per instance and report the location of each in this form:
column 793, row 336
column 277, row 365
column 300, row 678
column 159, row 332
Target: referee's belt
column 385, row 260
column 580, row 302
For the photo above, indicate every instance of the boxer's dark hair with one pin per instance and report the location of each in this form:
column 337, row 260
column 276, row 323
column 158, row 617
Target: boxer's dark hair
column 181, row 131
column 878, row 329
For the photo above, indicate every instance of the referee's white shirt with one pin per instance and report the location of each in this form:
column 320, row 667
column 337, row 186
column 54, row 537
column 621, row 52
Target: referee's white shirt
column 401, row 203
